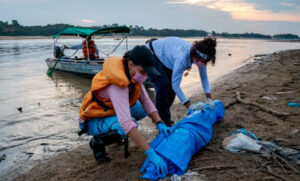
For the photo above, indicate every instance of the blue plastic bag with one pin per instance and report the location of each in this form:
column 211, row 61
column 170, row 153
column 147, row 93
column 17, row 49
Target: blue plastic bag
column 293, row 104
column 245, row 132
column 189, row 135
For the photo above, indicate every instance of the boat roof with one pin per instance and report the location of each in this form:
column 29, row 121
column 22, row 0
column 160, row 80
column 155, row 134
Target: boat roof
column 89, row 31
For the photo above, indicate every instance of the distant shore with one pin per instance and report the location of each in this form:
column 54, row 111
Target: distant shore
column 277, row 75
column 24, row 37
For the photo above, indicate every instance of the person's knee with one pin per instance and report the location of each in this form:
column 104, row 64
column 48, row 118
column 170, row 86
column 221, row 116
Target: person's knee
column 137, row 111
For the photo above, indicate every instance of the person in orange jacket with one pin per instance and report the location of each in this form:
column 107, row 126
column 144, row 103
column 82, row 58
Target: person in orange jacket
column 113, row 101
column 89, row 48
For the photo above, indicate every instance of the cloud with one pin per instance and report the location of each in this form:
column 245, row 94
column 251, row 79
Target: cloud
column 87, row 21
column 286, row 4
column 242, row 10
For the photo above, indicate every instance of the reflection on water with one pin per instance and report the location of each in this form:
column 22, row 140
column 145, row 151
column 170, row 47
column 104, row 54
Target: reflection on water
column 48, row 122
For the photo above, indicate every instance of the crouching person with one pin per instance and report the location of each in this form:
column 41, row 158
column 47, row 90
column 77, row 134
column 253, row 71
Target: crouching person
column 111, row 106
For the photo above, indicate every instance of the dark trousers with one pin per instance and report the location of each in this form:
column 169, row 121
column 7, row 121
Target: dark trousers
column 164, row 92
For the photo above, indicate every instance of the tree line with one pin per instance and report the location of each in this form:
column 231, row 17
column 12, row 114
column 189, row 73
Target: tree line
column 15, row 29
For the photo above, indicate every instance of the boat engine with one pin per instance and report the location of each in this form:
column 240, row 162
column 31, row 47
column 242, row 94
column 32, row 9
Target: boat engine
column 58, row 52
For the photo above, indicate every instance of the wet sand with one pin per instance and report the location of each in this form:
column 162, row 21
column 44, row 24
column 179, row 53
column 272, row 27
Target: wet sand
column 277, row 75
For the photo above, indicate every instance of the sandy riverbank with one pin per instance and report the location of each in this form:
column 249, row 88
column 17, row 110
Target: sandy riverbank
column 277, row 76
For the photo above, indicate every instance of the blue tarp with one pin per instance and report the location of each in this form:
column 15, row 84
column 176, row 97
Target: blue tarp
column 189, row 135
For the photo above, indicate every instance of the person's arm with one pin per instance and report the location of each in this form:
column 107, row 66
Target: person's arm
column 136, row 136
column 97, row 50
column 204, row 80
column 74, row 47
column 120, row 100
column 178, row 70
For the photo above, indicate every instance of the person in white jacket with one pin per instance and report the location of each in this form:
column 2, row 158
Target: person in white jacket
column 172, row 57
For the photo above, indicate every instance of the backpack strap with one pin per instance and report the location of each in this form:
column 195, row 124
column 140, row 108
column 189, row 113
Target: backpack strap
column 151, row 47
column 100, row 103
column 85, row 126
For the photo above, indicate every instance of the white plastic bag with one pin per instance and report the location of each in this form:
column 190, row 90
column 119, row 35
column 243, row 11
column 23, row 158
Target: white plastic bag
column 240, row 143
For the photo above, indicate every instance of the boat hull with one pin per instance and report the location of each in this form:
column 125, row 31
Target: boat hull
column 87, row 69
column 79, row 67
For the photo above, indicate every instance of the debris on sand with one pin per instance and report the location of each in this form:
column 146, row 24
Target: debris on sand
column 20, row 109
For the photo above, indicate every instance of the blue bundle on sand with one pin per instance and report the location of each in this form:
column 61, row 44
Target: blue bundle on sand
column 189, row 135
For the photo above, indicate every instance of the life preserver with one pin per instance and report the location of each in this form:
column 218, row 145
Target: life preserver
column 91, row 48
column 113, row 73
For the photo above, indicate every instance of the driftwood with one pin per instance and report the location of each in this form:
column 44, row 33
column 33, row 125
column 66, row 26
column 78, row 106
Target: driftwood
column 285, row 161
column 264, row 108
column 265, row 164
column 275, row 175
column 215, row 167
column 230, row 104
column 206, row 158
column 282, row 167
column 287, row 92
column 276, row 156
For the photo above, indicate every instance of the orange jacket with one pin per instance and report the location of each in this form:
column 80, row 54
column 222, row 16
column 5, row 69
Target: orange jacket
column 113, row 73
column 92, row 49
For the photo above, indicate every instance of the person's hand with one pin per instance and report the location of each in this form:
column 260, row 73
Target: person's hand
column 187, row 104
column 210, row 103
column 163, row 128
column 65, row 47
column 196, row 106
column 159, row 162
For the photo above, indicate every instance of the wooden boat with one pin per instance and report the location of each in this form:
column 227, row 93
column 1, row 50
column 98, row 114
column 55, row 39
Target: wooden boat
column 87, row 67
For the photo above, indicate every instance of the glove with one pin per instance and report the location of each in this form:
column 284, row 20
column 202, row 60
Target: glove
column 196, row 106
column 162, row 128
column 159, row 162
column 210, row 103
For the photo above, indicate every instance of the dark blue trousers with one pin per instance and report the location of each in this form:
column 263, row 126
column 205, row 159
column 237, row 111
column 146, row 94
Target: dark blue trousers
column 165, row 94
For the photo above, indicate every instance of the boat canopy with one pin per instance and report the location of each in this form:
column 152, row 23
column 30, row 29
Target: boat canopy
column 84, row 32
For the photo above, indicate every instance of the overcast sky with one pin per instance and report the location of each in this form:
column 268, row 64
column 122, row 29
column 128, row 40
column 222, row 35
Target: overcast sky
column 233, row 16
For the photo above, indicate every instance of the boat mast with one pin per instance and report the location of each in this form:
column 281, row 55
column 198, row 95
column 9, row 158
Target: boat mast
column 87, row 46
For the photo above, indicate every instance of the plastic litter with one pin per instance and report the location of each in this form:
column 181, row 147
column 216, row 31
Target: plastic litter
column 269, row 98
column 295, row 131
column 293, row 104
column 245, row 132
column 189, row 135
column 240, row 143
column 196, row 106
column 189, row 175
column 285, row 152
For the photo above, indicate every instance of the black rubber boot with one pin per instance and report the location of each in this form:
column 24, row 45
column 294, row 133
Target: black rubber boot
column 98, row 148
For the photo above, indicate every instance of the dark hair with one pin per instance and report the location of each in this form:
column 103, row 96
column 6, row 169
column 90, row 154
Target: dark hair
column 206, row 46
column 126, row 68
column 125, row 63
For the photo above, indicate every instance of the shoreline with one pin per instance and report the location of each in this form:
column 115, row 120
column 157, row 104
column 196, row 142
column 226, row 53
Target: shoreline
column 277, row 72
